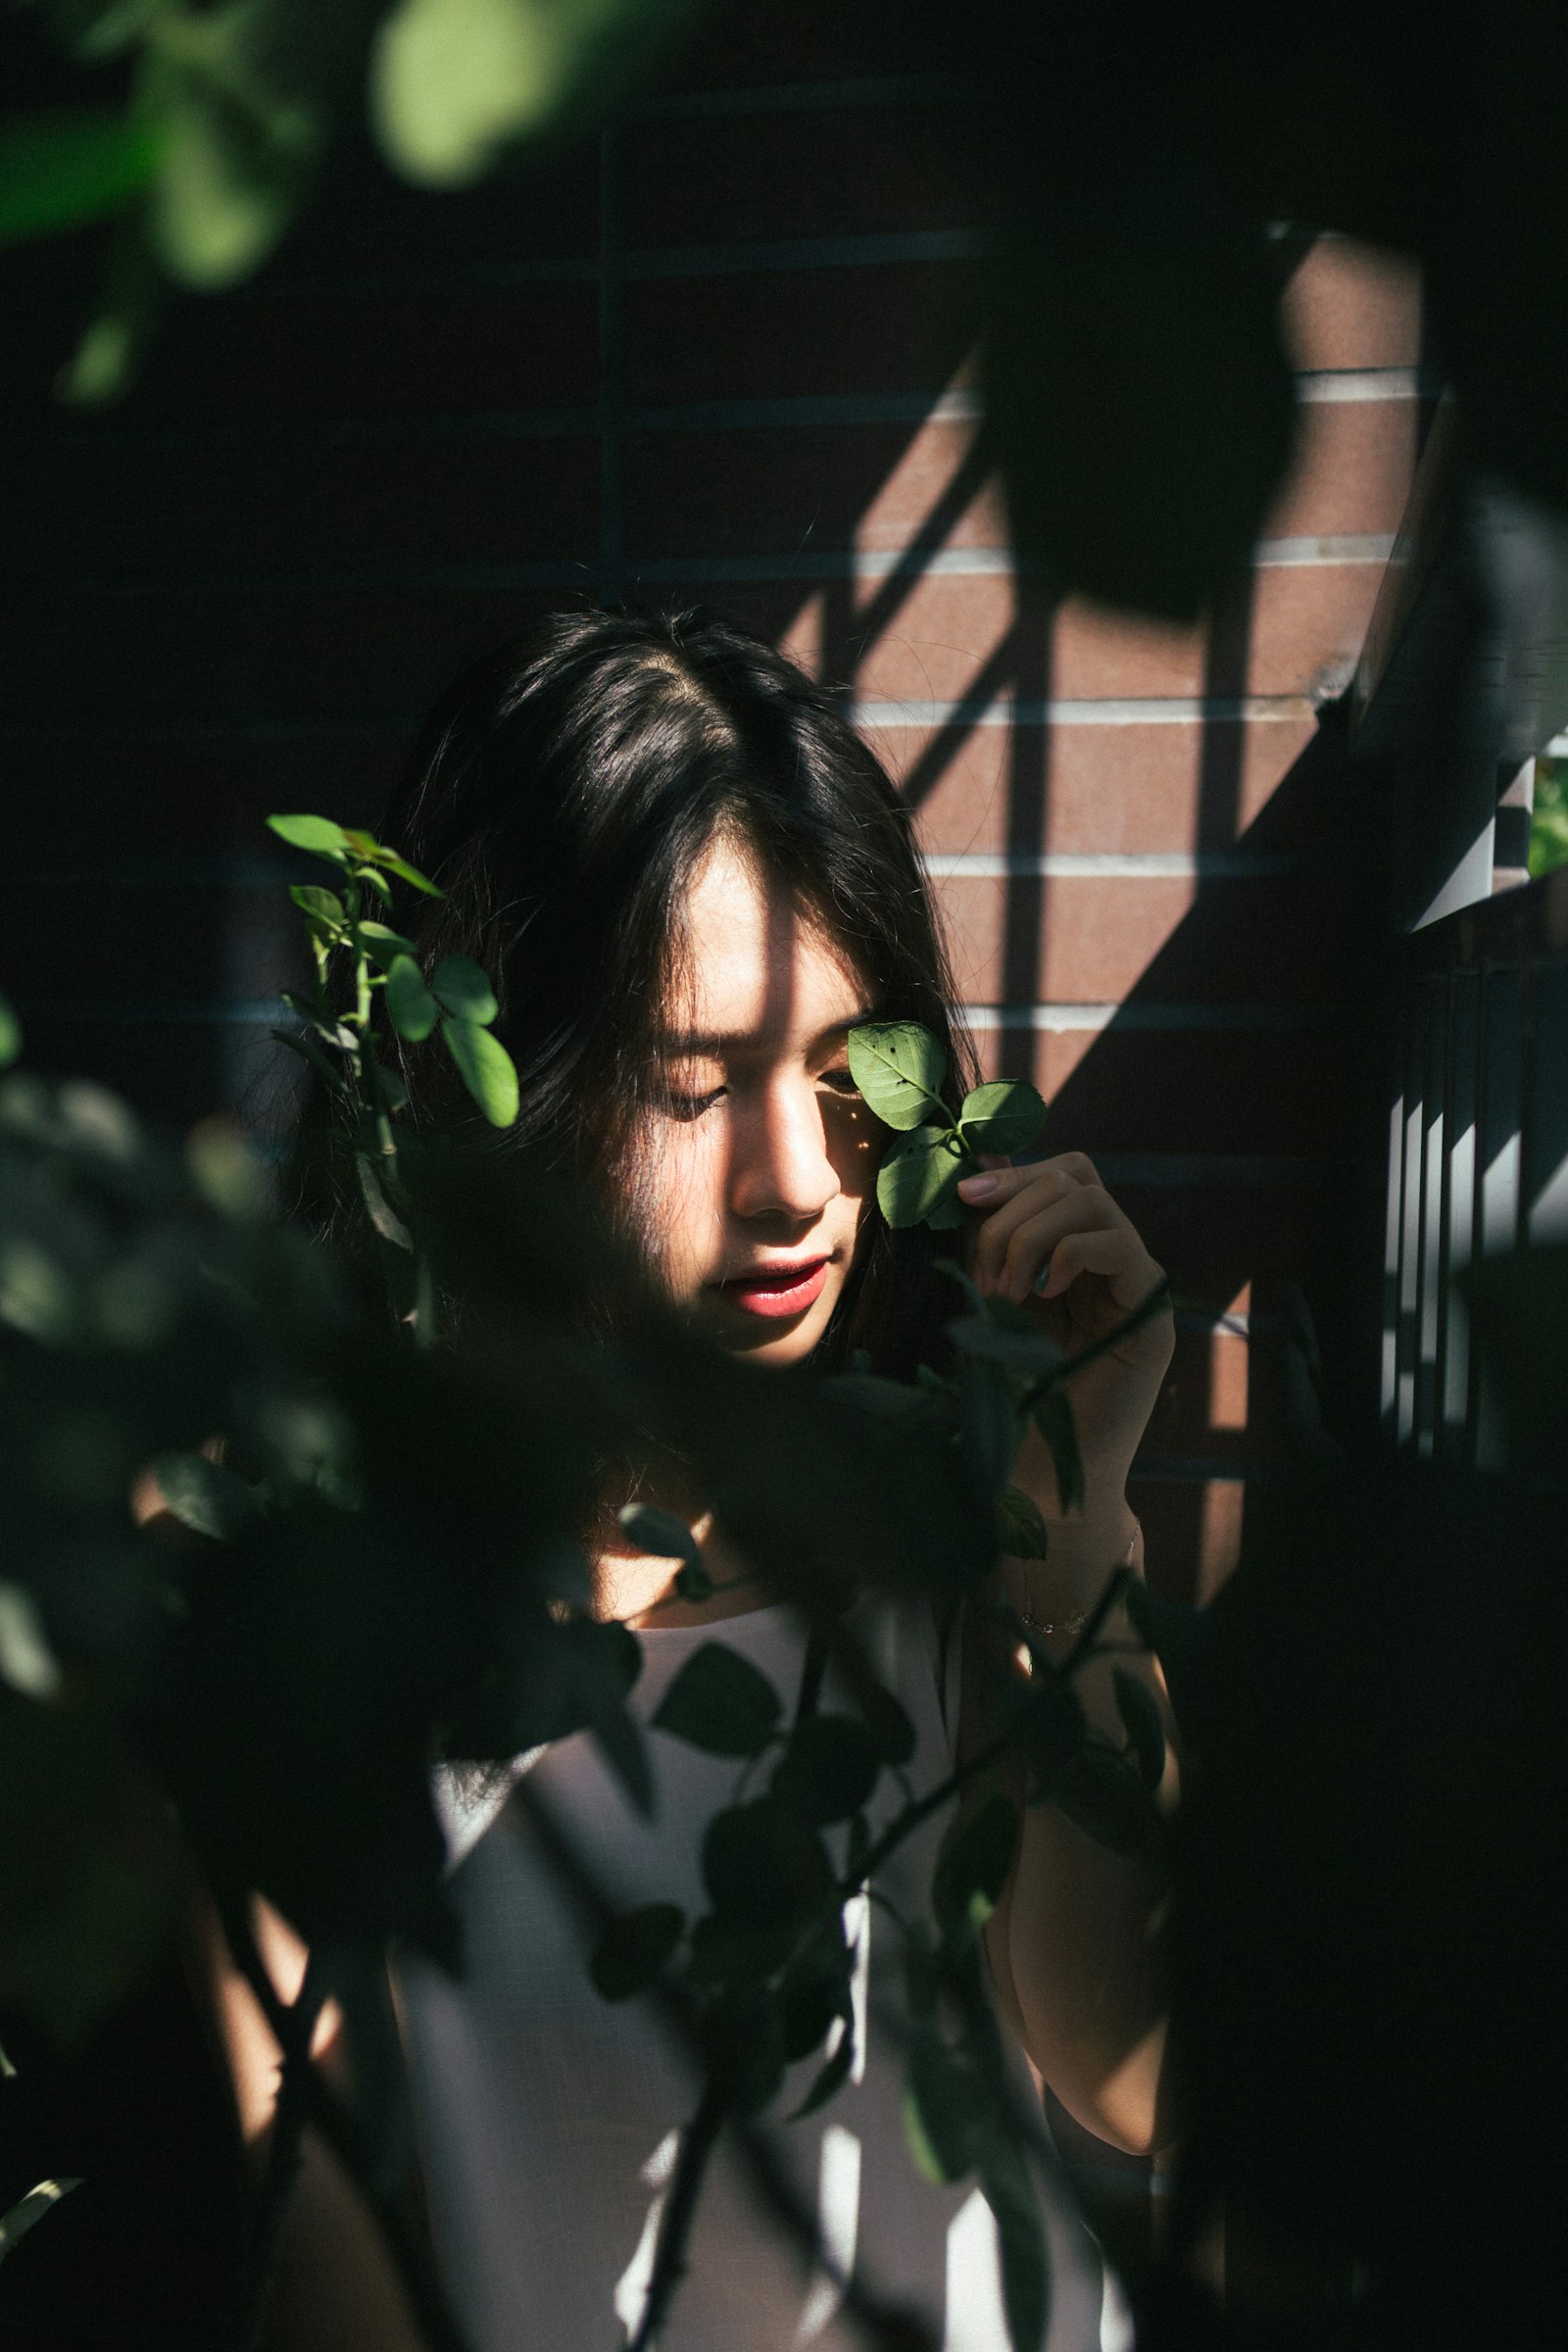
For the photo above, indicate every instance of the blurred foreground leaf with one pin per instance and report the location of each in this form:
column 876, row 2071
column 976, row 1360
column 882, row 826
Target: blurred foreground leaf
column 59, row 171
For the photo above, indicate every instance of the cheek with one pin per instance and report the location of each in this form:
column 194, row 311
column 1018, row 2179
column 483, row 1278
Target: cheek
column 855, row 1142
column 681, row 1193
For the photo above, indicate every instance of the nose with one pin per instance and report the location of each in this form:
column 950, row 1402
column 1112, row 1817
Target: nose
column 780, row 1166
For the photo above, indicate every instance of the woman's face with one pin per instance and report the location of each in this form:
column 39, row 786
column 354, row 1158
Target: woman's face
column 761, row 1159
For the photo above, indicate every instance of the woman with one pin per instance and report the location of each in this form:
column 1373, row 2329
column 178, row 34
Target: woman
column 690, row 880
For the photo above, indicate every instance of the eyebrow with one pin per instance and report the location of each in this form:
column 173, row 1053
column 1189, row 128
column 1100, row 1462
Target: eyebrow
column 716, row 1041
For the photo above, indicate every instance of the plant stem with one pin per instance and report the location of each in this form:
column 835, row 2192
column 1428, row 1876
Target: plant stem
column 328, row 2114
column 1157, row 1297
column 903, row 1825
column 883, row 2325
column 294, row 2024
column 697, row 2144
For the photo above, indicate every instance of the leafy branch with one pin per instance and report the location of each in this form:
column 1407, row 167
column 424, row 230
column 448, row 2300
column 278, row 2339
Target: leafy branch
column 900, row 1068
column 341, row 1045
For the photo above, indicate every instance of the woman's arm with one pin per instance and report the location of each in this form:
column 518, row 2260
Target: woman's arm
column 334, row 2287
column 1078, row 1942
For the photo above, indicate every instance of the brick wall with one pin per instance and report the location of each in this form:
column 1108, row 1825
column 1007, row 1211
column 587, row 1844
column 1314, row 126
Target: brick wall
column 723, row 355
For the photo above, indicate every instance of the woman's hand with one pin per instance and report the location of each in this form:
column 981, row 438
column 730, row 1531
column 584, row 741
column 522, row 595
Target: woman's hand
column 1054, row 1241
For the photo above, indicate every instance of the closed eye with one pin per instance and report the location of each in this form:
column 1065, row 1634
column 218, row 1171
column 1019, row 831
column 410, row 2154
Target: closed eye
column 839, row 1081
column 692, row 1106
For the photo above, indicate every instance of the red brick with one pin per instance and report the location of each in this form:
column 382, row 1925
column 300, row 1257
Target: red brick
column 1131, row 788
column 738, row 176
column 345, row 351
column 366, row 217
column 69, row 801
column 1352, row 470
column 750, row 45
column 1264, row 939
column 1308, row 622
column 901, row 327
column 794, row 489
column 1353, row 306
column 303, row 505
column 1177, row 1090
column 190, row 655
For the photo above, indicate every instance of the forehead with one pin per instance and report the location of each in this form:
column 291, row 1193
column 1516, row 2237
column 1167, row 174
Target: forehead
column 757, row 964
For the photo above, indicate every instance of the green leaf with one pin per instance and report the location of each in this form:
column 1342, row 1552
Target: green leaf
column 204, row 1495
column 380, row 942
column 464, row 990
column 1016, row 1347
column 721, row 1703
column 31, row 2210
column 726, row 1951
column 828, row 1768
column 314, row 833
column 973, row 1868
column 306, row 1046
column 744, row 2039
column 454, row 83
column 410, row 875
column 659, row 1533
column 389, row 1085
column 1020, row 1530
column 1141, row 1718
column 1052, row 1417
column 899, row 1069
column 1003, row 1116
column 26, row 1661
column 1105, row 1798
column 892, row 1732
column 948, row 1215
column 226, row 1172
column 988, row 1429
column 241, row 131
column 764, row 1865
column 487, row 1069
column 10, row 1035
column 920, row 1174
column 60, row 169
column 634, row 1948
column 1025, row 2259
column 382, row 1215
column 411, row 1008
column 829, row 2082
column 621, row 1740
column 323, row 906
column 945, row 2111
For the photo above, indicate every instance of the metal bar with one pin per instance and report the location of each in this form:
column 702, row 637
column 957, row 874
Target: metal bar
column 1458, row 1238
column 1501, row 1073
column 1411, row 1216
column 1544, row 1172
column 1431, row 1314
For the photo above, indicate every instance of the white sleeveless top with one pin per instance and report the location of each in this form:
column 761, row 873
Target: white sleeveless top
column 547, row 2118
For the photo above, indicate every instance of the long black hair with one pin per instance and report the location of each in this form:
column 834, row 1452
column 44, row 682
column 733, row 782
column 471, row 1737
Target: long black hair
column 563, row 793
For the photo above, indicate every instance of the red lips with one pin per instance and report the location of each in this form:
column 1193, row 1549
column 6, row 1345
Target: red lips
column 778, row 1291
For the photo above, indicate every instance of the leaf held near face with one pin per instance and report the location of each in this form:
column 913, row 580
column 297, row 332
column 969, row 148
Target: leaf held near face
column 487, row 1069
column 899, row 1069
column 920, row 1176
column 1003, row 1116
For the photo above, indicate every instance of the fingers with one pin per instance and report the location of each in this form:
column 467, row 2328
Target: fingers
column 1115, row 1253
column 1010, row 1197
column 1033, row 1248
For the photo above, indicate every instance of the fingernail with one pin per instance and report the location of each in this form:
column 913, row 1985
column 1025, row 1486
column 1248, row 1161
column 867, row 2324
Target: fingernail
column 1042, row 1280
column 977, row 1188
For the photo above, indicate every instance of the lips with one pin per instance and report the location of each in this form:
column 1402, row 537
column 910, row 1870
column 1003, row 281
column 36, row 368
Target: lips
column 778, row 1291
